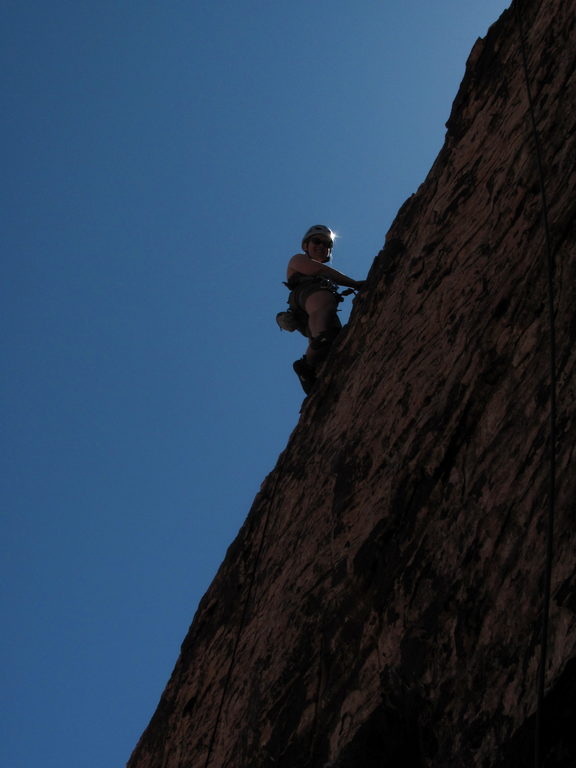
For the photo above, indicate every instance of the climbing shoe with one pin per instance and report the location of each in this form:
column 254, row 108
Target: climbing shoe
column 305, row 373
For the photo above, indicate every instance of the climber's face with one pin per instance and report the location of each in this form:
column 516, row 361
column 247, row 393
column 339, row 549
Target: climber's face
column 318, row 248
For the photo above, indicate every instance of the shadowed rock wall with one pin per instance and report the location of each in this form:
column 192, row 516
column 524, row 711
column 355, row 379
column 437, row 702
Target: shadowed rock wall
column 382, row 604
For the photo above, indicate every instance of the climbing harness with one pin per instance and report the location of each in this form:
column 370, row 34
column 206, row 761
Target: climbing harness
column 301, row 287
column 549, row 560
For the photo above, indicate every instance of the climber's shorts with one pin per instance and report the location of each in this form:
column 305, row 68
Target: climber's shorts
column 302, row 292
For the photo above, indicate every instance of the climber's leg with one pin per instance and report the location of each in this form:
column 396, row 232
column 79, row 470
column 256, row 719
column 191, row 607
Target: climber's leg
column 323, row 325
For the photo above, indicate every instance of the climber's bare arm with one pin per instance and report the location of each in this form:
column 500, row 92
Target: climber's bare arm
column 307, row 266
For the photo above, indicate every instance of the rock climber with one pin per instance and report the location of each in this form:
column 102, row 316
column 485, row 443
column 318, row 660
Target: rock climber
column 314, row 291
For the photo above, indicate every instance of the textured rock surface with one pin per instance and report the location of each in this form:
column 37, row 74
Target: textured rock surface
column 382, row 604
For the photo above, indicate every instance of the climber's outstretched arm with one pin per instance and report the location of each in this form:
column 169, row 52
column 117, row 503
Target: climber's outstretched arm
column 307, row 266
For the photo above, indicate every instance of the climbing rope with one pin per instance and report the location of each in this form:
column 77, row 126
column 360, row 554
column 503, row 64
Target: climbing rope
column 538, row 757
column 242, row 620
column 549, row 558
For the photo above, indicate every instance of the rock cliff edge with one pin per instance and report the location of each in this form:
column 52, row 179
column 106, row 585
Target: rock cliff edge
column 383, row 603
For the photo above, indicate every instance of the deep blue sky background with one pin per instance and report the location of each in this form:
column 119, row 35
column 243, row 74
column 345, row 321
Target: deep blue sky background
column 161, row 161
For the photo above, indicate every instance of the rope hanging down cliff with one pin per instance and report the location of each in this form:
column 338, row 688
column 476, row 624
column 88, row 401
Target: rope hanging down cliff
column 550, row 518
column 549, row 560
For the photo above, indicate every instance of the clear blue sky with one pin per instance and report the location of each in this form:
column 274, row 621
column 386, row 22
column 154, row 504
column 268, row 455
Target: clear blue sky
column 161, row 161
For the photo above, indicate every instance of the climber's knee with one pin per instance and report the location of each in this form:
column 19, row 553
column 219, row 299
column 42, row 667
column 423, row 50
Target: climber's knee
column 324, row 339
column 320, row 346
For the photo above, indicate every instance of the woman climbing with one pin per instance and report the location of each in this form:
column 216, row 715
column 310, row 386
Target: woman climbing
column 314, row 290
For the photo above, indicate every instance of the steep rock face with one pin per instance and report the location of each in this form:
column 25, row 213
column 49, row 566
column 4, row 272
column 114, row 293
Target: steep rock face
column 382, row 604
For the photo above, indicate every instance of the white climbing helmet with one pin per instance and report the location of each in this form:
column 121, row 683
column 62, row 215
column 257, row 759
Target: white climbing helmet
column 320, row 231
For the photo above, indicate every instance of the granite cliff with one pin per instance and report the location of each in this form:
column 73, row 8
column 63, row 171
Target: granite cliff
column 383, row 603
